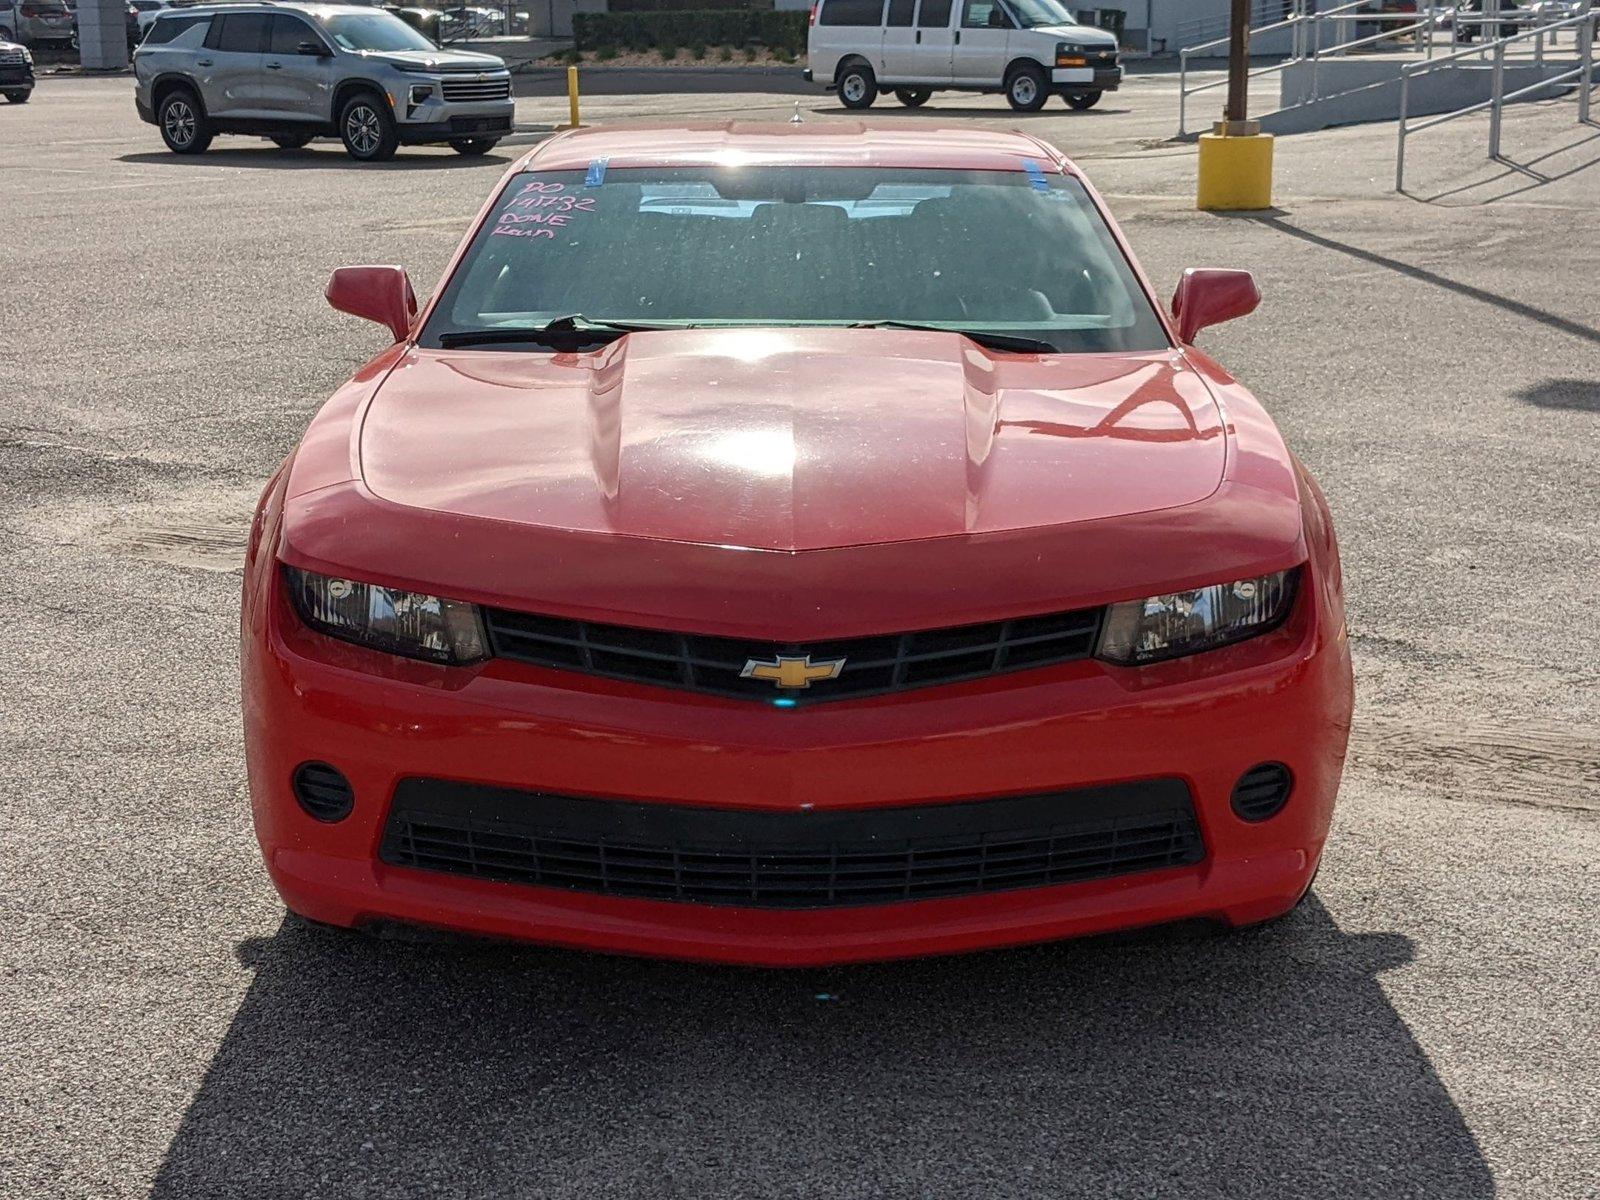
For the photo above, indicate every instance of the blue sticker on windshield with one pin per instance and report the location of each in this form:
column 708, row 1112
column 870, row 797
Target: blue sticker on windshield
column 1036, row 175
column 597, row 173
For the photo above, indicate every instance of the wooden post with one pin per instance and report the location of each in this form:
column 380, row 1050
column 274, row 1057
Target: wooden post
column 1238, row 110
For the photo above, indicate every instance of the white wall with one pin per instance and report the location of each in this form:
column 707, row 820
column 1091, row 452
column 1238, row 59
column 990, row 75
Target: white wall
column 1166, row 26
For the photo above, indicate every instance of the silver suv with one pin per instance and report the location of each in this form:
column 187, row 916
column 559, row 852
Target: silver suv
column 292, row 72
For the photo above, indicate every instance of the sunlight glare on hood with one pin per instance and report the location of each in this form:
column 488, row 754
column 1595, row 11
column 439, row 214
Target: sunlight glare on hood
column 757, row 451
column 748, row 345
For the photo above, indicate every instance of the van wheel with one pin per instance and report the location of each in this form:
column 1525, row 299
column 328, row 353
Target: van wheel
column 182, row 127
column 18, row 97
column 1025, row 89
column 913, row 97
column 858, row 87
column 1082, row 100
column 367, row 128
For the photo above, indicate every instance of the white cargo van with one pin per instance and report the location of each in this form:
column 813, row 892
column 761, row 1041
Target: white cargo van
column 1028, row 49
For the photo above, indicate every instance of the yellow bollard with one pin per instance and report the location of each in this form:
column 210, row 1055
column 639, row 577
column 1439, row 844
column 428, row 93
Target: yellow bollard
column 1235, row 169
column 572, row 94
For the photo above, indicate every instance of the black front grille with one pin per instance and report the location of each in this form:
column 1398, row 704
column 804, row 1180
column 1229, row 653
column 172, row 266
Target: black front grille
column 791, row 859
column 887, row 663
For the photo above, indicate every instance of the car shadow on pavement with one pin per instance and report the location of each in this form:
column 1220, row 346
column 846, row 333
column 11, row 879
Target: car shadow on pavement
column 320, row 158
column 1578, row 395
column 1267, row 1063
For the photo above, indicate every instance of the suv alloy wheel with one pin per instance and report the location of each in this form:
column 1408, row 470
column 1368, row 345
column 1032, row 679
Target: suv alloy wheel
column 183, row 128
column 367, row 128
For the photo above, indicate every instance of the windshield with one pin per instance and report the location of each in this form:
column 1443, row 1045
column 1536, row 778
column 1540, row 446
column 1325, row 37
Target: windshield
column 1007, row 252
column 374, row 31
column 1032, row 14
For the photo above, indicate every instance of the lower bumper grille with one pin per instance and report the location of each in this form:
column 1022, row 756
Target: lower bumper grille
column 793, row 859
column 480, row 124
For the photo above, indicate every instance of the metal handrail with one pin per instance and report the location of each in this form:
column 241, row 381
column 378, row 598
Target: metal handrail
column 1200, row 26
column 1313, row 20
column 1583, row 24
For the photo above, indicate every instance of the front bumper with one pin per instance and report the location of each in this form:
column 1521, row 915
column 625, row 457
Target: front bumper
column 1283, row 698
column 441, row 122
column 1097, row 79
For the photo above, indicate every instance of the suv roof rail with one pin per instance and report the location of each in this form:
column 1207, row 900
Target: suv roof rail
column 217, row 3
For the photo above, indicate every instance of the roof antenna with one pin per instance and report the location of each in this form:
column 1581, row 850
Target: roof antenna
column 797, row 119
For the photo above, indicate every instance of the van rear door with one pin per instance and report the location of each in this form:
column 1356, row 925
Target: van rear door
column 845, row 27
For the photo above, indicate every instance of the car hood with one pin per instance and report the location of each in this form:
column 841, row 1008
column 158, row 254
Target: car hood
column 432, row 60
column 791, row 440
column 1083, row 35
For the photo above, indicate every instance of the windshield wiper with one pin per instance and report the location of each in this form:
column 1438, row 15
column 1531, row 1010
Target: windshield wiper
column 573, row 327
column 993, row 341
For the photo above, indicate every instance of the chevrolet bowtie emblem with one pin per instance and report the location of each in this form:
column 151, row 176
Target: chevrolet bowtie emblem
column 788, row 672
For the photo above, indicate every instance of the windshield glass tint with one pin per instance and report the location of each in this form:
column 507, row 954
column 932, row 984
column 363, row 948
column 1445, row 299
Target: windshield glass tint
column 375, row 31
column 998, row 251
column 1034, row 13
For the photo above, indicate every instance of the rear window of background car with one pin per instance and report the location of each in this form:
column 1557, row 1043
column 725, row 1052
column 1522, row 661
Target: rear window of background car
column 239, row 33
column 168, row 29
column 851, row 12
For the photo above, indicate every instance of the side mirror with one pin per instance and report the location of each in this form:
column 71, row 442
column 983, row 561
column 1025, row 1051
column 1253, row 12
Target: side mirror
column 1208, row 296
column 313, row 50
column 381, row 294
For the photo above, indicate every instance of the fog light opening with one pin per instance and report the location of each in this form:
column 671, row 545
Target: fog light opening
column 323, row 792
column 1262, row 791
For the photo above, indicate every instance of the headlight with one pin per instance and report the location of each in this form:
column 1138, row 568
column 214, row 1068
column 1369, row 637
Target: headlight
column 1143, row 631
column 406, row 623
column 27, row 56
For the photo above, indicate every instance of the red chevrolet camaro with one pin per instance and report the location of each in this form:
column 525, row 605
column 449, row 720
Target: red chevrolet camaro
column 793, row 544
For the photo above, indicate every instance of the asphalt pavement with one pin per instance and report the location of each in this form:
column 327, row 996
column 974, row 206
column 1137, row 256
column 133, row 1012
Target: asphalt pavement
column 1425, row 1026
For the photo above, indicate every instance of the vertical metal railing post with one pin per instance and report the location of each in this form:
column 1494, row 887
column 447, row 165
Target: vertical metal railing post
column 1183, row 93
column 1400, row 150
column 1497, row 99
column 1316, row 53
column 1586, row 63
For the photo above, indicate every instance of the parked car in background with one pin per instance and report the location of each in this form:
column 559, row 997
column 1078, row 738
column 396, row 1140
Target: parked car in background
column 462, row 22
column 292, row 72
column 30, row 22
column 1028, row 49
column 16, row 72
column 424, row 20
column 145, row 13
